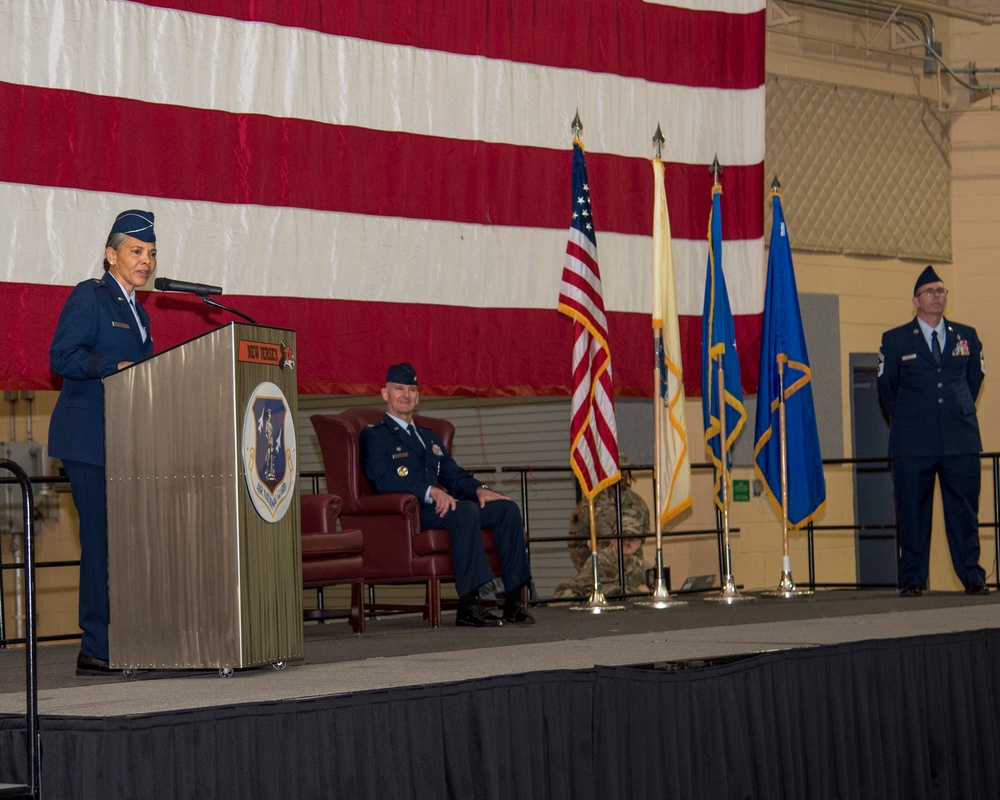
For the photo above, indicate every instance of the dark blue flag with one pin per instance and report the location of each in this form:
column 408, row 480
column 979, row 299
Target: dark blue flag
column 718, row 336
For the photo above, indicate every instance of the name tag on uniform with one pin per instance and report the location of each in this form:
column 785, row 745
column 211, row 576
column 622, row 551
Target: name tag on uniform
column 400, row 455
column 119, row 325
column 910, row 357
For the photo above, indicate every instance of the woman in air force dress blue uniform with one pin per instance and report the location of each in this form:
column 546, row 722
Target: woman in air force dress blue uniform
column 101, row 329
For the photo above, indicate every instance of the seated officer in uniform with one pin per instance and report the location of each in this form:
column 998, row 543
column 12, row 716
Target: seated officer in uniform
column 398, row 456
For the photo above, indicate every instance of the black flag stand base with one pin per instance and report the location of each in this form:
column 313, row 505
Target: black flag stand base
column 787, row 588
column 660, row 598
column 596, row 604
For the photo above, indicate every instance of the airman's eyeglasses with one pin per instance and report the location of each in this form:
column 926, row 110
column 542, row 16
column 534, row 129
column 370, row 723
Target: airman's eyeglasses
column 933, row 292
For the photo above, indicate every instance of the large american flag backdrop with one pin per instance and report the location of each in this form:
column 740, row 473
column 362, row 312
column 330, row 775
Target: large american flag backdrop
column 389, row 178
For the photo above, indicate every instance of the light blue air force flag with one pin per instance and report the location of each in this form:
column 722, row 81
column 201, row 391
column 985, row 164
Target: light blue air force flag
column 783, row 346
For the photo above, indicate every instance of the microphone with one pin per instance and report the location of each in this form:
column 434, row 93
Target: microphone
column 170, row 285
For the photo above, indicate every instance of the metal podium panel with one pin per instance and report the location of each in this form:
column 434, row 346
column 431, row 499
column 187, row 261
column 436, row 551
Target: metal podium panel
column 198, row 577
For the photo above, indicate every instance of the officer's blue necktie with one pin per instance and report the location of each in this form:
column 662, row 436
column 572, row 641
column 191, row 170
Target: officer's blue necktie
column 935, row 347
column 412, row 430
column 135, row 313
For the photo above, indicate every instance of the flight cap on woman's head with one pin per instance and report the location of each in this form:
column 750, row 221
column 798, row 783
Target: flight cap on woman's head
column 135, row 223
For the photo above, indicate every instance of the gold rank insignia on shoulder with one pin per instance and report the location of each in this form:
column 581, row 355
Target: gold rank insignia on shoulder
column 402, row 472
column 115, row 324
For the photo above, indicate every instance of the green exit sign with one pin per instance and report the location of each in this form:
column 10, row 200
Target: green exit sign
column 741, row 491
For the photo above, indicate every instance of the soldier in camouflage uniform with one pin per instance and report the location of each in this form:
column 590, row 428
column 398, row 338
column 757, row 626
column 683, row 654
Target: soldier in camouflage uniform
column 580, row 587
column 605, row 520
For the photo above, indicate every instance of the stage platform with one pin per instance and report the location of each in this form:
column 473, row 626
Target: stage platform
column 401, row 664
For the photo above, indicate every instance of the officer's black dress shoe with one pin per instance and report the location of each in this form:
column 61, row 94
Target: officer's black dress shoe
column 977, row 588
column 477, row 617
column 910, row 591
column 517, row 615
column 88, row 665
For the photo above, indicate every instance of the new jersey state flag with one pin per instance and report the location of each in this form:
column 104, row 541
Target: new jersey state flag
column 719, row 357
column 673, row 459
column 783, row 346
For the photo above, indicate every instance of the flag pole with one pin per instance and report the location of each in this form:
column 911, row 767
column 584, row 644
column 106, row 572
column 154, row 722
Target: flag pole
column 729, row 595
column 596, row 603
column 786, row 586
column 660, row 598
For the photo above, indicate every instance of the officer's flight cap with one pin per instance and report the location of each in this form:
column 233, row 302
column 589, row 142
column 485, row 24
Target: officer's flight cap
column 927, row 276
column 402, row 373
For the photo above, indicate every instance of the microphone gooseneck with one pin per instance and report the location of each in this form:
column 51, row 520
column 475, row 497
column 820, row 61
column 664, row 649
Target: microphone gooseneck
column 200, row 289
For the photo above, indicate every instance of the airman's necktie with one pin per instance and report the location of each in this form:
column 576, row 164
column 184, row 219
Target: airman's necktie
column 412, row 430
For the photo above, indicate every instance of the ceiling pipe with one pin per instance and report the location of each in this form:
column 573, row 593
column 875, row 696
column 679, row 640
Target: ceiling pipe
column 884, row 12
column 949, row 11
column 918, row 13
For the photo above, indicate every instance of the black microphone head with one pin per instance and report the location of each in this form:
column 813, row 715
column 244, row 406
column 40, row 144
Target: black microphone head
column 162, row 284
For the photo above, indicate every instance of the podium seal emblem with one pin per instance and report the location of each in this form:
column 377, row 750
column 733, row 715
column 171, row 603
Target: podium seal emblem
column 268, row 451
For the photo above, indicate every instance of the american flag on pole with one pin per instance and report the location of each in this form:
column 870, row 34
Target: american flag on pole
column 382, row 177
column 593, row 431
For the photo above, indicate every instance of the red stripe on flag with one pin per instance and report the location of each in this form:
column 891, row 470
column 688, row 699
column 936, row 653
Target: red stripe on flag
column 72, row 146
column 629, row 38
column 336, row 352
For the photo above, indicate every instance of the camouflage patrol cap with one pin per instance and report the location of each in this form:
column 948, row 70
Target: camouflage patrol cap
column 632, row 522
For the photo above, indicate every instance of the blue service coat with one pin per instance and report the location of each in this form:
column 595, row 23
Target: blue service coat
column 931, row 407
column 96, row 330
column 392, row 463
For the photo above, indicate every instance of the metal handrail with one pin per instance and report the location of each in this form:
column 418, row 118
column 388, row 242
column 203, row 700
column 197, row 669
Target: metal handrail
column 810, row 529
column 31, row 651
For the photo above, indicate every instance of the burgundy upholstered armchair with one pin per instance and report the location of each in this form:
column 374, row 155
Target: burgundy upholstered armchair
column 396, row 550
column 331, row 557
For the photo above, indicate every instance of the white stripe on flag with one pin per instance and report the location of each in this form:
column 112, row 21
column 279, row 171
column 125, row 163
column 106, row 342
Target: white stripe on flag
column 347, row 256
column 728, row 6
column 199, row 61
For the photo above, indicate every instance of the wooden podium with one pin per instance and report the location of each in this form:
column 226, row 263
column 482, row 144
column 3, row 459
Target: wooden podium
column 204, row 547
